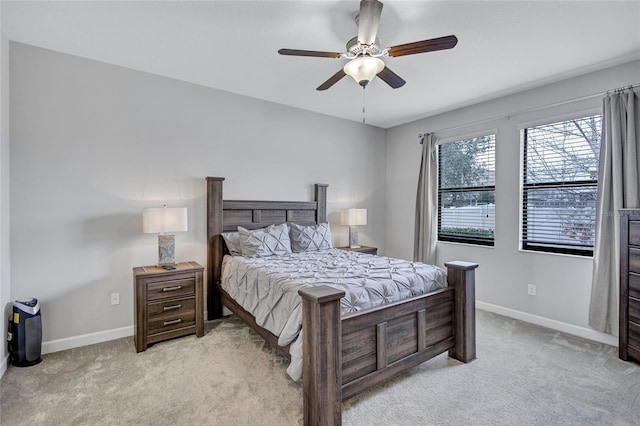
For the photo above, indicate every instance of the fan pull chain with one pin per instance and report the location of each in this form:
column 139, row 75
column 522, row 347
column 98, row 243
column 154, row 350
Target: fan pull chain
column 363, row 104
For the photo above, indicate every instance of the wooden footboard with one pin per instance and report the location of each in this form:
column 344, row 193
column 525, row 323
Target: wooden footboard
column 345, row 357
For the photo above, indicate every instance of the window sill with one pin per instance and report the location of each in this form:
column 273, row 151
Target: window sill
column 457, row 243
column 577, row 256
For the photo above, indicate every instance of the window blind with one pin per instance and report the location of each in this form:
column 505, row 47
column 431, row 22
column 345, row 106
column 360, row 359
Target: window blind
column 560, row 180
column 466, row 190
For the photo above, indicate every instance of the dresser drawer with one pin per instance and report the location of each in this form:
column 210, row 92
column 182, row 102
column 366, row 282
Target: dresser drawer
column 634, row 233
column 634, row 335
column 170, row 288
column 634, row 260
column 634, row 310
column 634, row 286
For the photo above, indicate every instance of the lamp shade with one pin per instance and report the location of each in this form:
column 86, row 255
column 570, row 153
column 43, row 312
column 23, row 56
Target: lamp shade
column 363, row 69
column 354, row 217
column 163, row 219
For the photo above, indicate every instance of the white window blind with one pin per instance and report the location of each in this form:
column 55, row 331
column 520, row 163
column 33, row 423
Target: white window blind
column 466, row 190
column 560, row 181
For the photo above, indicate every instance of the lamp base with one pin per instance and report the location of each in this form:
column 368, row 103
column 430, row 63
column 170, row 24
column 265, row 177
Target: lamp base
column 167, row 251
column 353, row 237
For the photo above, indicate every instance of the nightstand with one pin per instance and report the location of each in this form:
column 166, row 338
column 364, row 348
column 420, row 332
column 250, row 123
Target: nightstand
column 361, row 249
column 167, row 303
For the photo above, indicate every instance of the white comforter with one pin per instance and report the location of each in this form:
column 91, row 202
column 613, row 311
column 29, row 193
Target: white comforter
column 267, row 287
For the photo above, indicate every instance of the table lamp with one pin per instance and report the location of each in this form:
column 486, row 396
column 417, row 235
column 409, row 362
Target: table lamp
column 354, row 218
column 164, row 221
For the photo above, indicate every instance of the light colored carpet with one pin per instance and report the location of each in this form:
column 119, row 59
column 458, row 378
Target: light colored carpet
column 524, row 375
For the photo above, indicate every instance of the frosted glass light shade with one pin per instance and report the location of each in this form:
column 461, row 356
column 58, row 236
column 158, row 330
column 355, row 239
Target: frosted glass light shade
column 161, row 220
column 363, row 69
column 354, row 217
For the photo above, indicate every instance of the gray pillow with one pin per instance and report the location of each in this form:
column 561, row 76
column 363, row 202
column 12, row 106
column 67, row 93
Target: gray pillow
column 310, row 238
column 272, row 240
column 232, row 239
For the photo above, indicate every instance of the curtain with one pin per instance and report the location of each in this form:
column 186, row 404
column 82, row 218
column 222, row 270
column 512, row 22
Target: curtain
column 426, row 230
column 618, row 187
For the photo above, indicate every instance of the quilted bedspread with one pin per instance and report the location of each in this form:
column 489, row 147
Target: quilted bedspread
column 267, row 287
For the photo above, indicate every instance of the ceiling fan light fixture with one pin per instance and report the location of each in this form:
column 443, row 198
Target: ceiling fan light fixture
column 364, row 68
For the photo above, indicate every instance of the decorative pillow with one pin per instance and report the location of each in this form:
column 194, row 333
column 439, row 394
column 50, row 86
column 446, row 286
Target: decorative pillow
column 274, row 239
column 232, row 239
column 310, row 238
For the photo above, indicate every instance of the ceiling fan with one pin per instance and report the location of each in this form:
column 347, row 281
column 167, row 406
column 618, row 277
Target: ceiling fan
column 364, row 51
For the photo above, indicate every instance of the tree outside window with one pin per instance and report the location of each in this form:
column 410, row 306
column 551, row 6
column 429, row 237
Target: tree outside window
column 466, row 190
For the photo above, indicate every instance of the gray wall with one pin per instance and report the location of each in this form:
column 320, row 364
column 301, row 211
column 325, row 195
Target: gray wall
column 93, row 144
column 5, row 255
column 563, row 282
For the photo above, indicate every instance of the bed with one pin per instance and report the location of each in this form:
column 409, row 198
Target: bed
column 344, row 354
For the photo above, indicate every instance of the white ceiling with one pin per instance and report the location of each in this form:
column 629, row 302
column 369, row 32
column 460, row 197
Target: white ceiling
column 504, row 46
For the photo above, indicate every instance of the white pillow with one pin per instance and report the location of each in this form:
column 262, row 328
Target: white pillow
column 272, row 240
column 232, row 239
column 310, row 238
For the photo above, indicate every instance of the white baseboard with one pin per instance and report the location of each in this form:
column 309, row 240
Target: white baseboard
column 117, row 333
column 586, row 333
column 86, row 339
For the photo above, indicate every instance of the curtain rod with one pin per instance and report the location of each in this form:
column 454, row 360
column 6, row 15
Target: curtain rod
column 510, row 114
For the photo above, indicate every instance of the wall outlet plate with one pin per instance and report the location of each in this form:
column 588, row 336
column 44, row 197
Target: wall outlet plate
column 531, row 289
column 115, row 298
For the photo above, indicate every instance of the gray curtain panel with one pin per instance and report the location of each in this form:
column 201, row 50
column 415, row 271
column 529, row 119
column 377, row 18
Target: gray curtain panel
column 618, row 187
column 426, row 230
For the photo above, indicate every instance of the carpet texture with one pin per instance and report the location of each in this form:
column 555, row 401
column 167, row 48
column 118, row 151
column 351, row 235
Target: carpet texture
column 524, row 375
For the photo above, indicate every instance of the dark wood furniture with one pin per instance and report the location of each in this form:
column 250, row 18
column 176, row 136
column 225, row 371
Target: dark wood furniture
column 361, row 249
column 344, row 356
column 629, row 338
column 167, row 304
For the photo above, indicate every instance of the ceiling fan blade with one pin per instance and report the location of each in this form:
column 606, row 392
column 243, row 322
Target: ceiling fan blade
column 333, row 80
column 368, row 20
column 294, row 52
column 391, row 78
column 440, row 43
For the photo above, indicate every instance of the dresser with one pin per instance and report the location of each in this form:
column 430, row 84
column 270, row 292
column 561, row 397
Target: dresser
column 629, row 345
column 167, row 303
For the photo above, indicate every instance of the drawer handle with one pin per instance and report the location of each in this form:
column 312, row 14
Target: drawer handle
column 174, row 288
column 170, row 308
column 176, row 321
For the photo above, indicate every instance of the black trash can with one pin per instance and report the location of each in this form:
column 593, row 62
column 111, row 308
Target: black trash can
column 25, row 333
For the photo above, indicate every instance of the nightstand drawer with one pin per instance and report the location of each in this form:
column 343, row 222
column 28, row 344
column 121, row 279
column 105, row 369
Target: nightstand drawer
column 170, row 288
column 161, row 310
column 171, row 322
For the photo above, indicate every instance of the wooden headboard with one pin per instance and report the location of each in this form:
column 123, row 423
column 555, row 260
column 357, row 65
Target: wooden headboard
column 226, row 215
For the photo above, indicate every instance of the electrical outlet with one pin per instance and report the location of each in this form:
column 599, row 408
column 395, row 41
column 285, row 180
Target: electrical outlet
column 115, row 298
column 531, row 289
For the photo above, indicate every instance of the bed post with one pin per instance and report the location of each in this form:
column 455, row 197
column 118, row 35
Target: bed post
column 322, row 355
column 214, row 246
column 321, row 199
column 461, row 276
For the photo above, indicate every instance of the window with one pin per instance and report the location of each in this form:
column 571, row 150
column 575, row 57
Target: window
column 560, row 181
column 466, row 190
